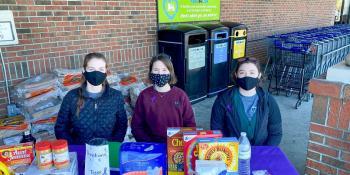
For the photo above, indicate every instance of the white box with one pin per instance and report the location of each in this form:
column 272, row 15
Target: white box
column 71, row 170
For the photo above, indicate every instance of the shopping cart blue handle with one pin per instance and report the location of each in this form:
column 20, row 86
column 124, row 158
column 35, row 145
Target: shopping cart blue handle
column 298, row 42
column 295, row 49
column 284, row 36
column 278, row 42
column 305, row 42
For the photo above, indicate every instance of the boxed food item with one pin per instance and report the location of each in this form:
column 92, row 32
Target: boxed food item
column 211, row 167
column 191, row 147
column 21, row 154
column 224, row 149
column 143, row 158
column 175, row 149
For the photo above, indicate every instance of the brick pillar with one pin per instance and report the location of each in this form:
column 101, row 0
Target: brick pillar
column 329, row 143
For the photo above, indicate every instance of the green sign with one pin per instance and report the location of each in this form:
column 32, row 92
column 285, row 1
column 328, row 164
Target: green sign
column 170, row 11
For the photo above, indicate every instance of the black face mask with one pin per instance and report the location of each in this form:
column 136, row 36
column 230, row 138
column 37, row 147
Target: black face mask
column 95, row 77
column 159, row 79
column 247, row 83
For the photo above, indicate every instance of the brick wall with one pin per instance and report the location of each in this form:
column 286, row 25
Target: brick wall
column 329, row 143
column 58, row 33
column 267, row 17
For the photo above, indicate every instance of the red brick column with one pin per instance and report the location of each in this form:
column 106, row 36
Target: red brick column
column 329, row 142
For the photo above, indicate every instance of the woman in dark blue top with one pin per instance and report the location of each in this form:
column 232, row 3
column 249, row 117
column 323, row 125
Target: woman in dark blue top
column 94, row 109
column 248, row 108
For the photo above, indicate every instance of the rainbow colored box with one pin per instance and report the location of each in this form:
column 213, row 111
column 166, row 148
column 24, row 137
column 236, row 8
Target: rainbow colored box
column 224, row 149
column 191, row 147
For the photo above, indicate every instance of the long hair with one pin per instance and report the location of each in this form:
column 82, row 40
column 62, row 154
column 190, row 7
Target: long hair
column 87, row 58
column 166, row 60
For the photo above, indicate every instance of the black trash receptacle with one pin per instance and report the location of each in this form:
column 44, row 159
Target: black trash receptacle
column 186, row 45
column 217, row 53
column 238, row 44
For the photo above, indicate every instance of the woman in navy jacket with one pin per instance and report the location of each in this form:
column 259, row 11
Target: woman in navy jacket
column 94, row 109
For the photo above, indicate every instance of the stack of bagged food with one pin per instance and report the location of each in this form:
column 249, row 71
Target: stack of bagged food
column 130, row 87
column 69, row 79
column 37, row 99
column 11, row 128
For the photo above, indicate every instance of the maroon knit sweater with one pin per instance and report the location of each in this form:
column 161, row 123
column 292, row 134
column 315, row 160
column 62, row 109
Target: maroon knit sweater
column 156, row 111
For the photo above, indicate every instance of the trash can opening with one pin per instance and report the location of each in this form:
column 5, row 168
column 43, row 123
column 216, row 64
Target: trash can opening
column 196, row 39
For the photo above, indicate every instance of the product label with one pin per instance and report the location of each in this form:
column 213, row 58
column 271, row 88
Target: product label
column 220, row 53
column 244, row 155
column 45, row 159
column 97, row 160
column 239, row 48
column 196, row 57
column 17, row 154
column 61, row 157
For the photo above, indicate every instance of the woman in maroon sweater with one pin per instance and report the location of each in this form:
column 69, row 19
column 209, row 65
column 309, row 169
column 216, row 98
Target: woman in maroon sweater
column 161, row 105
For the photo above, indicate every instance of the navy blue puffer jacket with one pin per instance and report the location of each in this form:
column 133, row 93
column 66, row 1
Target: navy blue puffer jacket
column 104, row 117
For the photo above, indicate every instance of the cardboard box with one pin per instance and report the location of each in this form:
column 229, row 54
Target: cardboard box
column 224, row 149
column 21, row 154
column 191, row 147
column 175, row 148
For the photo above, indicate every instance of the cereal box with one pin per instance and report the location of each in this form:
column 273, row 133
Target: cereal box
column 175, row 148
column 191, row 147
column 20, row 154
column 224, row 149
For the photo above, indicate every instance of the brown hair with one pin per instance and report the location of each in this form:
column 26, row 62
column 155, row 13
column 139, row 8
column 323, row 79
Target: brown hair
column 87, row 58
column 245, row 60
column 166, row 60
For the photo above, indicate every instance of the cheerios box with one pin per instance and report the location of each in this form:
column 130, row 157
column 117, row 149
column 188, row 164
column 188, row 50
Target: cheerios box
column 175, row 148
column 224, row 149
column 191, row 147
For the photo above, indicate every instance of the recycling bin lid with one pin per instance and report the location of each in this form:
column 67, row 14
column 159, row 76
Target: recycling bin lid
column 233, row 24
column 182, row 28
column 213, row 26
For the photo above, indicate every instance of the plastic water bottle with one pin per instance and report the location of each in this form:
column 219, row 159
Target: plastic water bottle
column 244, row 155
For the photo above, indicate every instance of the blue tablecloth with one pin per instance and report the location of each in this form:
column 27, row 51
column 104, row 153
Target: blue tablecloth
column 267, row 158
